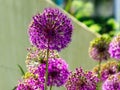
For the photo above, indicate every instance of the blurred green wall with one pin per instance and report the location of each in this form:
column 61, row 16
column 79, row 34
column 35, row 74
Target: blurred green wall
column 15, row 16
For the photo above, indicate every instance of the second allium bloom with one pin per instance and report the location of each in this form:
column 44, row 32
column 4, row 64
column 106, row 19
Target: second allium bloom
column 107, row 69
column 51, row 29
column 99, row 48
column 112, row 83
column 58, row 72
column 36, row 56
column 114, row 48
column 30, row 82
column 81, row 80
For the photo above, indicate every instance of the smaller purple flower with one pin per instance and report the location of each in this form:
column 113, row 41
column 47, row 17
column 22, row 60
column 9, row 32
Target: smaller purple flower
column 98, row 49
column 30, row 82
column 114, row 47
column 51, row 29
column 107, row 69
column 23, row 87
column 112, row 83
column 80, row 80
column 37, row 56
column 57, row 72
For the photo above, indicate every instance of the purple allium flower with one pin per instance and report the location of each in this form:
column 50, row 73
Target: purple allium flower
column 80, row 80
column 30, row 82
column 51, row 27
column 112, row 83
column 98, row 49
column 37, row 56
column 107, row 69
column 57, row 72
column 114, row 48
column 23, row 87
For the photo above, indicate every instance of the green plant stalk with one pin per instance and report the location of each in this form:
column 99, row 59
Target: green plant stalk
column 98, row 86
column 118, row 66
column 51, row 87
column 99, row 68
column 46, row 74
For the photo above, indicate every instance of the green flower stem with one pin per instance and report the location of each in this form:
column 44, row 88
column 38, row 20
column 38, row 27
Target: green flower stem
column 99, row 68
column 98, row 86
column 46, row 75
column 51, row 87
column 118, row 66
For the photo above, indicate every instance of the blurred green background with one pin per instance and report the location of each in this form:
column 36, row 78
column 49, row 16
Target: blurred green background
column 101, row 16
column 15, row 16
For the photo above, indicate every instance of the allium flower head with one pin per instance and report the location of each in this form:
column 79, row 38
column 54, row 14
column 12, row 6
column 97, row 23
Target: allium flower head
column 30, row 82
column 98, row 49
column 112, row 83
column 23, row 87
column 57, row 72
column 107, row 69
column 37, row 56
column 80, row 80
column 51, row 29
column 114, row 48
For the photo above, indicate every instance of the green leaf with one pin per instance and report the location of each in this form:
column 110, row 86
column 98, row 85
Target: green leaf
column 21, row 69
column 14, row 88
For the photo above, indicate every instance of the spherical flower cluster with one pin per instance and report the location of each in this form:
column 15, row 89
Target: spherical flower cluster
column 112, row 83
column 107, row 69
column 30, row 82
column 80, row 80
column 114, row 48
column 98, row 49
column 51, row 29
column 23, row 87
column 57, row 72
column 37, row 56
